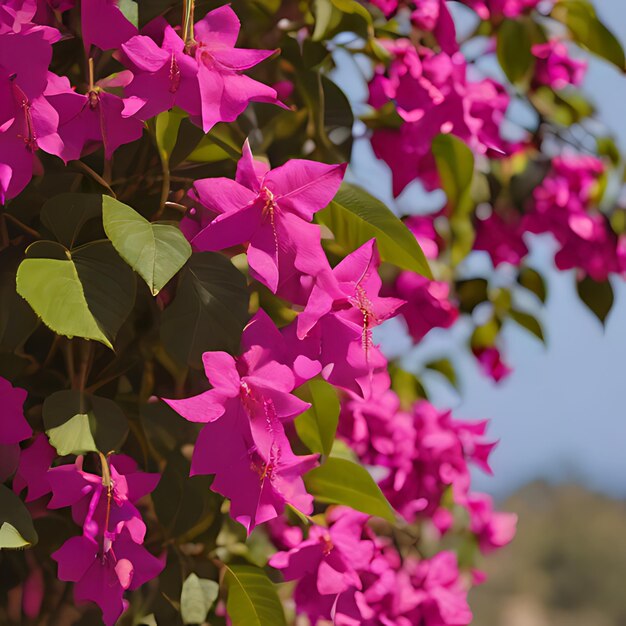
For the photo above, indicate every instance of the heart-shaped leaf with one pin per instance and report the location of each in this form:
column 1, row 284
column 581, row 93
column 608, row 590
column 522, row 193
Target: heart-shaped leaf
column 16, row 525
column 155, row 251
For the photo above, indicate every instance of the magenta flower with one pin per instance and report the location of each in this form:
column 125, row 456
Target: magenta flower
column 490, row 9
column 104, row 25
column 96, row 118
column 13, row 425
column 243, row 442
column 102, row 512
column 32, row 470
column 272, row 211
column 204, row 77
column 326, row 564
column 355, row 298
column 433, row 95
column 427, row 304
column 555, row 67
column 492, row 529
column 423, row 227
column 103, row 575
column 501, row 238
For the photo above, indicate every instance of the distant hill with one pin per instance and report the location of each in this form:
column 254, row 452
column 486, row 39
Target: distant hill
column 567, row 566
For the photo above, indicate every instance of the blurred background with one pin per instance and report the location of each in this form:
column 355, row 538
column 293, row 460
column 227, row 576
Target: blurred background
column 560, row 416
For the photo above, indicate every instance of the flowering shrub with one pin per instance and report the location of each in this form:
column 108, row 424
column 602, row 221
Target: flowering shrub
column 198, row 424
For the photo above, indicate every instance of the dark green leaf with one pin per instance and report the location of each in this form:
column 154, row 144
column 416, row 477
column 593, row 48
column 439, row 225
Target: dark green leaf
column 252, row 598
column 78, row 422
column 533, row 281
column 529, row 322
column 339, row 481
column 155, row 251
column 197, row 598
column 598, row 296
column 354, row 217
column 66, row 214
column 209, row 311
column 87, row 293
column 317, row 426
column 184, row 504
column 16, row 524
column 581, row 19
column 471, row 293
column 17, row 320
column 513, row 48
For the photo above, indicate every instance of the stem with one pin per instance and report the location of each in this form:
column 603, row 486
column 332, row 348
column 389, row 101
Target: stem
column 91, row 75
column 188, row 32
column 165, row 188
column 85, row 169
column 27, row 229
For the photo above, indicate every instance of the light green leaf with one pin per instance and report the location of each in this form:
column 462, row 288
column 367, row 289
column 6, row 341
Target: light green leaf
column 317, row 426
column 513, row 48
column 354, row 217
column 455, row 163
column 77, row 423
column 155, row 251
column 580, row 18
column 166, row 131
column 340, row 481
column 209, row 311
column 130, row 10
column 16, row 524
column 197, row 598
column 252, row 598
column 87, row 293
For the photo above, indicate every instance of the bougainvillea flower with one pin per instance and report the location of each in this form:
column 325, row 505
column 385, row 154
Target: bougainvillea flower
column 427, row 304
column 95, row 118
column 102, row 512
column 13, row 425
column 555, row 67
column 423, row 227
column 204, row 77
column 272, row 211
column 501, row 239
column 356, row 297
column 491, row 363
column 243, row 442
column 433, row 95
column 102, row 575
column 104, row 25
column 326, row 564
column 32, row 470
column 492, row 529
column 489, row 9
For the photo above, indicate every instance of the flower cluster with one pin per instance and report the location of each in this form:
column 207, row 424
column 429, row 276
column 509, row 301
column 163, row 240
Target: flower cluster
column 433, row 95
column 555, row 67
column 43, row 111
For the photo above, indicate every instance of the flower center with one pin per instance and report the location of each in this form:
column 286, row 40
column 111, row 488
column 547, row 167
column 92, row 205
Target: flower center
column 174, row 75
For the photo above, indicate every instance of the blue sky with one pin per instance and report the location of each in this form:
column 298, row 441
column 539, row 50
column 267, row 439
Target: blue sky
column 561, row 414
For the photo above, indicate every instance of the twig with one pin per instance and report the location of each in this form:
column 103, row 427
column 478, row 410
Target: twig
column 27, row 229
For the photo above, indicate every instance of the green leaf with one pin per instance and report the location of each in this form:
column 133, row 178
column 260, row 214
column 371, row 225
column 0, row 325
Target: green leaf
column 77, row 423
column 252, row 598
column 471, row 293
column 166, row 131
column 529, row 322
column 217, row 145
column 580, row 18
column 445, row 368
column 17, row 320
column 598, row 296
column 513, row 48
column 197, row 598
column 533, row 281
column 354, row 217
column 342, row 482
column 65, row 215
column 130, row 10
column 87, row 293
column 455, row 163
column 406, row 385
column 209, row 311
column 317, row 426
column 155, row 251
column 16, row 524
